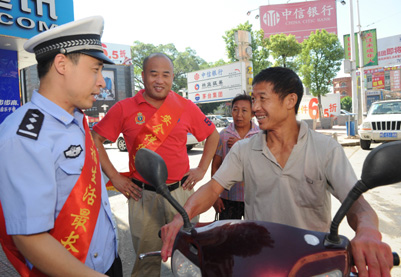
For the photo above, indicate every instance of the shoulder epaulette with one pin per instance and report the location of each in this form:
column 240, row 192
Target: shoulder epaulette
column 31, row 124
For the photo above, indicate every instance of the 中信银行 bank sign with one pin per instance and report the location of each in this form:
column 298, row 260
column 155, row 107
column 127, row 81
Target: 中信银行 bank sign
column 26, row 18
column 299, row 19
column 216, row 84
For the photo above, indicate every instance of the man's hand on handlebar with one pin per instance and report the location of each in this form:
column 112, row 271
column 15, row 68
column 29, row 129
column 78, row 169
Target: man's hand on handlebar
column 168, row 233
column 371, row 256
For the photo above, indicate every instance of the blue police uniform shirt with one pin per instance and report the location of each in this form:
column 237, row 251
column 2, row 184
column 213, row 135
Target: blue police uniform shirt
column 37, row 175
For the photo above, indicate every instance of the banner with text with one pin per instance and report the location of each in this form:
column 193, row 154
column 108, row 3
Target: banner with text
column 389, row 50
column 308, row 109
column 369, row 48
column 299, row 19
column 118, row 53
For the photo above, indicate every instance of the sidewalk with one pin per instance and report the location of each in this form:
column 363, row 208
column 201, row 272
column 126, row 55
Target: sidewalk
column 339, row 133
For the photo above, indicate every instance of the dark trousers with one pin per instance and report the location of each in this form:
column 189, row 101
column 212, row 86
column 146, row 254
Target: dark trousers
column 233, row 210
column 116, row 269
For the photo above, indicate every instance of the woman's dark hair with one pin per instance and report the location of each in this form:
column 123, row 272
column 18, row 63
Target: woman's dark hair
column 241, row 97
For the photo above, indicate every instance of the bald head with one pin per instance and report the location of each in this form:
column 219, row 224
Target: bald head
column 155, row 55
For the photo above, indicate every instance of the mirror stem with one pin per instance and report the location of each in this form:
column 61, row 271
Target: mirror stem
column 352, row 196
column 163, row 190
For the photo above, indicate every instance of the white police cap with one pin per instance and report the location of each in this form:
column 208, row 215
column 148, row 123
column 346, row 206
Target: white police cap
column 81, row 36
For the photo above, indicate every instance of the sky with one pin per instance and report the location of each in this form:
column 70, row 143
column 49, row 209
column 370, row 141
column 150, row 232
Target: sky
column 201, row 25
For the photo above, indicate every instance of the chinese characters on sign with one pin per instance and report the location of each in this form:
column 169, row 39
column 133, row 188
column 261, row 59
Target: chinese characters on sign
column 119, row 54
column 9, row 88
column 299, row 19
column 369, row 48
column 215, row 84
column 389, row 50
column 308, row 108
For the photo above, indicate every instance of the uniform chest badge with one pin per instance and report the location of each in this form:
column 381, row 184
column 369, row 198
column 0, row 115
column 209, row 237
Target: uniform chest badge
column 140, row 119
column 73, row 151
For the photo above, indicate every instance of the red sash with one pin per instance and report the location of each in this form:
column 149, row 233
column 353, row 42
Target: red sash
column 75, row 224
column 156, row 129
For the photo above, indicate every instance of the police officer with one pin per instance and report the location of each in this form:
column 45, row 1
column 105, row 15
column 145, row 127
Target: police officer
column 55, row 205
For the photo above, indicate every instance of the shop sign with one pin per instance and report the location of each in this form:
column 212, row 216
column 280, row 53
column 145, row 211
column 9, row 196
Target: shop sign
column 9, row 89
column 216, row 84
column 27, row 18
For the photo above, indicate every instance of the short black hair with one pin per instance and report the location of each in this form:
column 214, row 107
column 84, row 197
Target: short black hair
column 241, row 97
column 284, row 80
column 43, row 67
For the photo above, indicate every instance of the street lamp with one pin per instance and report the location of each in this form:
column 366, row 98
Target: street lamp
column 250, row 11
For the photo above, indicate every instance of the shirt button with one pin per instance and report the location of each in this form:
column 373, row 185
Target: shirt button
column 95, row 255
column 81, row 168
column 105, row 203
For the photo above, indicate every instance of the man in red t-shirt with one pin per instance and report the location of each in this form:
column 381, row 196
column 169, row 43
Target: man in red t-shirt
column 159, row 119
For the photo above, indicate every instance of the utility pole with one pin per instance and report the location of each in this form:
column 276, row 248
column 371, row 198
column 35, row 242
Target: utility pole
column 361, row 64
column 243, row 52
column 353, row 65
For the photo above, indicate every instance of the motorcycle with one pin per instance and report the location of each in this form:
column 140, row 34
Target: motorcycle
column 257, row 248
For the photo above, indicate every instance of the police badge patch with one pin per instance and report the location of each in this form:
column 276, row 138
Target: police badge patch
column 73, row 151
column 31, row 124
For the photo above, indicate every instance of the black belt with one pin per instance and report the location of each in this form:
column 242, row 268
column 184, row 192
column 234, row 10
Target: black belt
column 170, row 187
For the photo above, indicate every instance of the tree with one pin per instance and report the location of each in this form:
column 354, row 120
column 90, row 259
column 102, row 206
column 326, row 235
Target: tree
column 259, row 44
column 216, row 64
column 283, row 49
column 346, row 103
column 209, row 108
column 184, row 62
column 320, row 61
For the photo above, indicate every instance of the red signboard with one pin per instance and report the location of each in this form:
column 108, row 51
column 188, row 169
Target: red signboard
column 299, row 19
column 378, row 80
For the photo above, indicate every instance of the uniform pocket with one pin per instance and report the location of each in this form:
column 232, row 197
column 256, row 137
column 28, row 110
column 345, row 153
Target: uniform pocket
column 71, row 167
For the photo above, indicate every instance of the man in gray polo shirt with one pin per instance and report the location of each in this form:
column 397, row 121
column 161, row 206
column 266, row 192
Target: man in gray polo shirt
column 290, row 172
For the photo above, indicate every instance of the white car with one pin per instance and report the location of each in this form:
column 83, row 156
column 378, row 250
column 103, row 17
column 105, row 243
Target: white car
column 216, row 119
column 191, row 142
column 383, row 123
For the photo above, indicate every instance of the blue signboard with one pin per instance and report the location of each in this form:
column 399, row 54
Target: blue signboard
column 27, row 18
column 9, row 89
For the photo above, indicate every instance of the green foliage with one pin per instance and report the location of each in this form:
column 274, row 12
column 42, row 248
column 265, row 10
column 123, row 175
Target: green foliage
column 184, row 62
column 283, row 49
column 259, row 44
column 320, row 60
column 346, row 103
column 208, row 108
column 216, row 64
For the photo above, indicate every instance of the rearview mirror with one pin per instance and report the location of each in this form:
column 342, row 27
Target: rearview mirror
column 151, row 167
column 383, row 165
